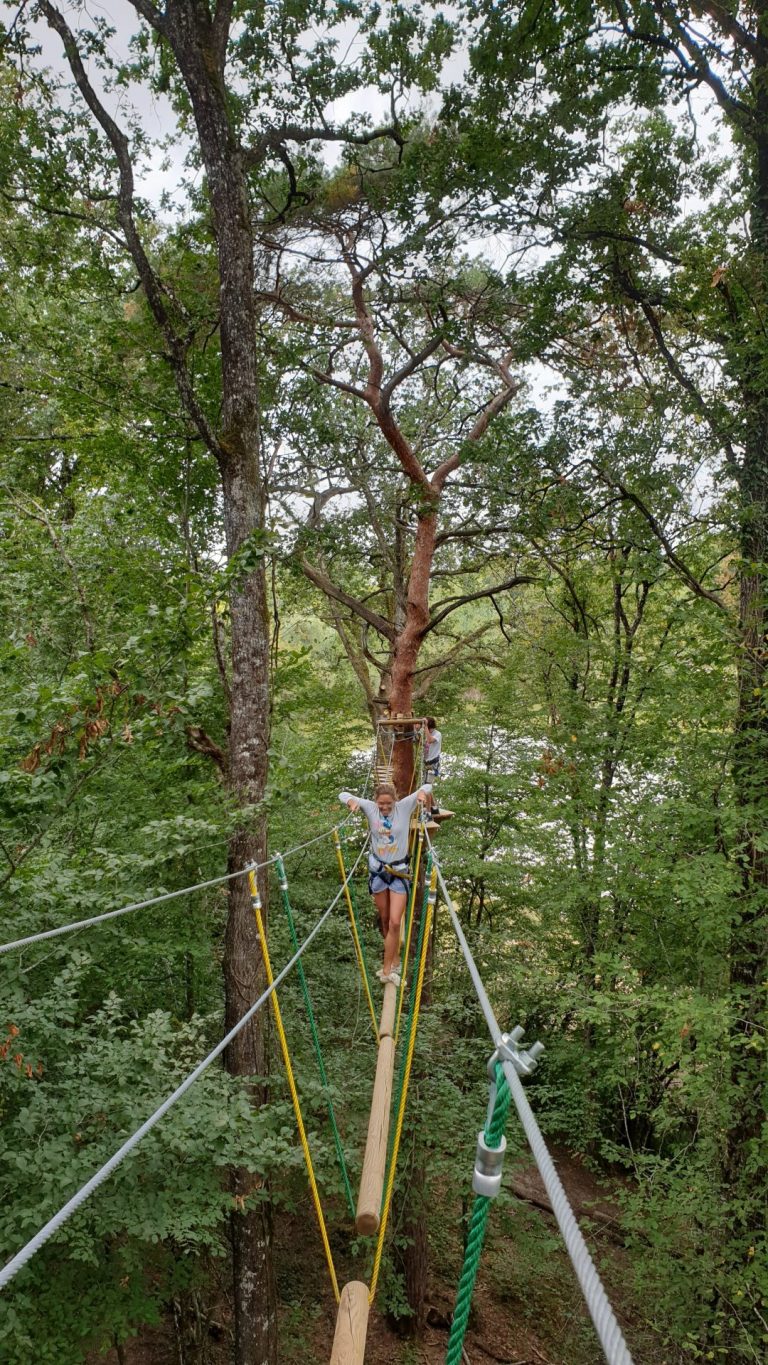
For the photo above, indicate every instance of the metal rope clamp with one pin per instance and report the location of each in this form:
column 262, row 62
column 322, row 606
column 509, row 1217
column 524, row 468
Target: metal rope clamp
column 524, row 1060
column 486, row 1177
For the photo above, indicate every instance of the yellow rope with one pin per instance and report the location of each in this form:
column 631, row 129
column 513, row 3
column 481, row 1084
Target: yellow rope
column 411, row 917
column 355, row 935
column 404, row 1092
column 256, row 903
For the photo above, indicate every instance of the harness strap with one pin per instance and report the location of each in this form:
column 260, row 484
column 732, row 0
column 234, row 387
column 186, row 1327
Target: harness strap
column 389, row 872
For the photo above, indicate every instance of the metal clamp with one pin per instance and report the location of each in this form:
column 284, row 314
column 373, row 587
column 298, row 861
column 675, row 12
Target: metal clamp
column 486, row 1177
column 523, row 1059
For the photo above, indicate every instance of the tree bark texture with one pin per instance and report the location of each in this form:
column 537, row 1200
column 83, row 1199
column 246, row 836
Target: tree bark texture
column 199, row 47
column 190, row 32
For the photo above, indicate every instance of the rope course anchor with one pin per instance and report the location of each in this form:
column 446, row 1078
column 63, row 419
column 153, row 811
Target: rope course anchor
column 487, row 1181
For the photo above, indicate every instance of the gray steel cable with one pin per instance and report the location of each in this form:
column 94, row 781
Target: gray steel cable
column 156, row 900
column 124, row 910
column 609, row 1333
column 53, row 1224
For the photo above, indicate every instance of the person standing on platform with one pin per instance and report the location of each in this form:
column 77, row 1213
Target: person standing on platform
column 433, row 748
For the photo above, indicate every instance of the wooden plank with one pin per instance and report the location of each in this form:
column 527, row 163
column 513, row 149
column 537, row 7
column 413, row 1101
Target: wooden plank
column 387, row 1025
column 374, row 1162
column 351, row 1325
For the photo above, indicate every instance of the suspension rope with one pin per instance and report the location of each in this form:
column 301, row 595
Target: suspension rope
column 494, row 1131
column 408, row 1062
column 157, row 900
column 418, row 745
column 349, row 898
column 57, row 1221
column 421, row 949
column 287, row 907
column 256, row 903
column 409, row 929
column 603, row 1317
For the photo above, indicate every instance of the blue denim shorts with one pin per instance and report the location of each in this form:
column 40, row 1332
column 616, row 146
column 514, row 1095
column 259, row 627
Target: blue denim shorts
column 377, row 883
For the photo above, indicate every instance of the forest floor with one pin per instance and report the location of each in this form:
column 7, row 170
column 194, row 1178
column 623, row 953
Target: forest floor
column 527, row 1308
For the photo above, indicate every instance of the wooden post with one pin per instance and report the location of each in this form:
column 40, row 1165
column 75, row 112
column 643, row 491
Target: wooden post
column 351, row 1325
column 387, row 1025
column 372, row 1180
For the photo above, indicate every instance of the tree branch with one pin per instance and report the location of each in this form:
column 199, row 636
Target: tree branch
column 274, row 138
column 150, row 283
column 450, row 604
column 327, row 586
column 663, row 539
column 491, row 410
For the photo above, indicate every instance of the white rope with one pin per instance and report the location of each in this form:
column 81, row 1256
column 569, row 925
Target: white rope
column 53, row 1224
column 608, row 1330
column 156, row 900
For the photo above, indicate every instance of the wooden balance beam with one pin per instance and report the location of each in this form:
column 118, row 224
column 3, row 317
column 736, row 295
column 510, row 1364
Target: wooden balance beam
column 375, row 1159
column 352, row 1318
column 351, row 1325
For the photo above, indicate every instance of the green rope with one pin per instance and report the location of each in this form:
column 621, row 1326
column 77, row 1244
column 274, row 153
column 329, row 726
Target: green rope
column 409, row 1017
column 313, row 1028
column 358, row 923
column 493, row 1135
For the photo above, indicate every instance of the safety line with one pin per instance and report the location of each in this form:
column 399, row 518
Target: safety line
column 409, row 930
column 413, row 1025
column 493, row 1134
column 54, row 1223
column 288, row 909
column 256, row 903
column 412, row 992
column 603, row 1317
column 157, row 900
column 356, row 937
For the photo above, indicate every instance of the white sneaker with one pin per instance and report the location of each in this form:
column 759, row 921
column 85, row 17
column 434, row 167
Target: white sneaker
column 394, row 977
column 381, row 976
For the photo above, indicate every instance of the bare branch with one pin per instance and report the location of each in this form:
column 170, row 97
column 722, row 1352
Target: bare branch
column 325, row 584
column 118, row 141
column 658, row 530
column 450, row 604
column 323, row 377
column 483, row 421
column 222, row 21
column 151, row 13
column 411, row 366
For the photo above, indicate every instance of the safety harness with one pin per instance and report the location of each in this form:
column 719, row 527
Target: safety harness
column 389, row 872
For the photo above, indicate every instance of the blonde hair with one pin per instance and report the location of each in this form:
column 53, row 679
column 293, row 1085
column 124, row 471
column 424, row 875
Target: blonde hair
column 385, row 789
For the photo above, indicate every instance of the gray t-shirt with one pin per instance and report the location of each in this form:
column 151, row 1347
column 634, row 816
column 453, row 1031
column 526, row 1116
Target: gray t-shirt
column 389, row 837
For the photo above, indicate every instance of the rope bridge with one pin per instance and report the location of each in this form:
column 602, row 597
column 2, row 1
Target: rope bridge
column 509, row 1063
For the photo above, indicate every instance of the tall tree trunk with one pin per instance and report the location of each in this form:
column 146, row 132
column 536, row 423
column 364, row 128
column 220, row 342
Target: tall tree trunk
column 750, row 768
column 407, row 645
column 190, row 32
